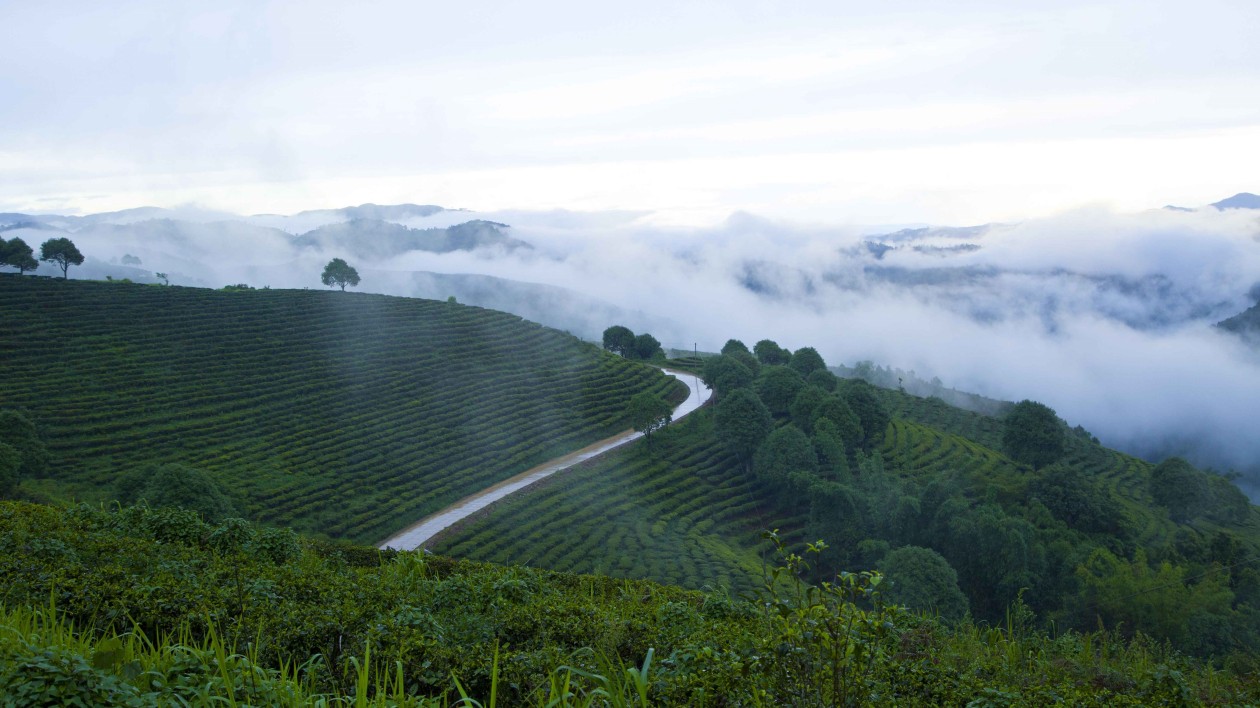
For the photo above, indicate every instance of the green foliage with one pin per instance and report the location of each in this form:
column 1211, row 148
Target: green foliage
column 619, row 340
column 836, row 411
column 350, row 417
column 734, row 345
column 62, row 253
column 339, row 273
column 1032, row 434
column 742, row 423
column 1076, row 501
column 16, row 254
column 176, row 485
column 771, row 354
column 647, row 348
column 19, row 432
column 648, row 413
column 777, row 386
column 102, row 607
column 806, row 361
column 1177, row 486
column 823, row 379
column 784, row 451
column 803, row 407
column 10, row 464
column 725, row 373
column 922, row 579
column 871, row 413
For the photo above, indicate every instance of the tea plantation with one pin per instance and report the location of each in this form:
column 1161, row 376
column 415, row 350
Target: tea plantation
column 343, row 414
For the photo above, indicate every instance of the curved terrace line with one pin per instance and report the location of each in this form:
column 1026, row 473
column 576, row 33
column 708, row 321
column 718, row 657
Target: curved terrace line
column 416, row 535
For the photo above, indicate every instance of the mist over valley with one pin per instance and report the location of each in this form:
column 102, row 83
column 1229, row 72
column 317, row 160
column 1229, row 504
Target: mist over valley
column 1107, row 317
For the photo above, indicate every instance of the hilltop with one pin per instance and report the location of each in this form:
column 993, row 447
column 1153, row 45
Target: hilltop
column 343, row 414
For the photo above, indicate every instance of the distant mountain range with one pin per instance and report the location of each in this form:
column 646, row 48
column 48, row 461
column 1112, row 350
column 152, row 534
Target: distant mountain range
column 1242, row 200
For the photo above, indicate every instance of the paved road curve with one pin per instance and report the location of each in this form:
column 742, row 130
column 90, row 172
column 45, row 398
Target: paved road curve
column 416, row 535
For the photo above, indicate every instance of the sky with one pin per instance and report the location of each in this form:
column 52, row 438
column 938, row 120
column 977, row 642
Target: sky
column 821, row 112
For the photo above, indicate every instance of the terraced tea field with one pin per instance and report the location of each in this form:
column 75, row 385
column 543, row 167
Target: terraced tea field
column 684, row 513
column 338, row 413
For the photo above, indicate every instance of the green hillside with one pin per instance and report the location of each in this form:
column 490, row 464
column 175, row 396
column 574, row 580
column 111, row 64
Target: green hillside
column 343, row 414
column 682, row 513
column 1082, row 541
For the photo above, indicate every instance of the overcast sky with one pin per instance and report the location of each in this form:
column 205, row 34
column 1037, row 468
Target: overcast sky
column 898, row 112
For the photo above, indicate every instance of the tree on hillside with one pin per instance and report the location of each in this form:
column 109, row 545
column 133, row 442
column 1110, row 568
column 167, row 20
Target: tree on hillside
column 785, row 451
column 778, row 386
column 619, row 340
column 742, row 423
column 176, row 485
column 806, row 361
column 16, row 254
column 62, row 253
column 1032, row 433
column 847, row 424
column 339, row 273
column 1180, row 488
column 770, row 353
column 734, row 345
column 724, row 374
column 922, row 579
column 20, row 433
column 10, row 462
column 647, row 348
column 648, row 413
column 870, row 411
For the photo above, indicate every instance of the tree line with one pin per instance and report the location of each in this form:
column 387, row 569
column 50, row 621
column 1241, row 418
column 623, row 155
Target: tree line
column 61, row 252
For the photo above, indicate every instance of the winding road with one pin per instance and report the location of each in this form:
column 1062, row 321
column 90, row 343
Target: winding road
column 419, row 533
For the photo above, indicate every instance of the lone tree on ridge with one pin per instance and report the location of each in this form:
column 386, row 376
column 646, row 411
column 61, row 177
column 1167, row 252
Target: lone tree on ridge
column 340, row 273
column 62, row 252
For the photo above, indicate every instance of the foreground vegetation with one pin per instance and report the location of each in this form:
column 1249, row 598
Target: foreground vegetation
column 142, row 607
column 341, row 414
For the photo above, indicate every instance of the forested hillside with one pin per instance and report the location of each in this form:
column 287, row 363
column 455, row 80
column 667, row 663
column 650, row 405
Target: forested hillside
column 967, row 513
column 342, row 414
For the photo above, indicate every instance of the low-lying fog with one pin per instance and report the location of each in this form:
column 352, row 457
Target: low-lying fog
column 1105, row 317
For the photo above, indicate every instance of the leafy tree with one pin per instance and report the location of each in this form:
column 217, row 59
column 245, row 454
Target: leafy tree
column 1180, row 488
column 1077, row 501
column 806, row 361
column 176, row 485
column 921, row 579
column 835, row 516
column 742, row 422
column 847, row 425
column 339, row 273
column 829, row 446
column 734, row 345
column 163, row 277
column 619, row 340
column 15, row 253
column 786, row 450
column 647, row 348
column 803, row 407
column 871, row 413
column 649, row 413
column 724, row 374
column 771, row 354
column 10, row 463
column 777, row 386
column 62, row 253
column 1032, row 433
column 823, row 379
column 20, row 433
column 748, row 360
column 1228, row 504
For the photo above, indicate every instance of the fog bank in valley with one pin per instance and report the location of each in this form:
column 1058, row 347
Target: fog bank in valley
column 1106, row 317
